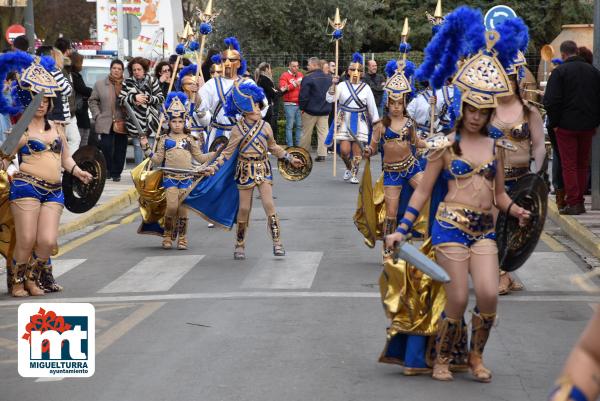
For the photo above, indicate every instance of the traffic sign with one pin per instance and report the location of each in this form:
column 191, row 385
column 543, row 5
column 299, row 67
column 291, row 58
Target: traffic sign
column 14, row 31
column 496, row 15
column 133, row 27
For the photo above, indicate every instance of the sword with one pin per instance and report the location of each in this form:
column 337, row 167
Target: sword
column 133, row 118
column 9, row 146
column 412, row 255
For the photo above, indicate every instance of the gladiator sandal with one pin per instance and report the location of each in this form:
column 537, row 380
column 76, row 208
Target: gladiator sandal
column 17, row 273
column 167, row 242
column 275, row 230
column 182, row 223
column 240, row 241
column 481, row 325
column 32, row 278
column 389, row 226
column 47, row 281
column 503, row 283
column 448, row 334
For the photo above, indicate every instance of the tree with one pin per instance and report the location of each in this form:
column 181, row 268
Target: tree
column 71, row 18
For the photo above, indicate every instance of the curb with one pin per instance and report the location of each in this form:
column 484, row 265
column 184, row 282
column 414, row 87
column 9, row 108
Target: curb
column 574, row 229
column 100, row 213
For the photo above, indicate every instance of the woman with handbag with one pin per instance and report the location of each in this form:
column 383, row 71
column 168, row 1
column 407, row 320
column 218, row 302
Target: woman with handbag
column 82, row 94
column 142, row 92
column 109, row 119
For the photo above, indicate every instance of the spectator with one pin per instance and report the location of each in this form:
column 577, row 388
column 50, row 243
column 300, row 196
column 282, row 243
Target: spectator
column 332, row 67
column 264, row 78
column 289, row 84
column 4, row 118
column 61, row 111
column 163, row 73
column 325, row 66
column 71, row 128
column 376, row 82
column 572, row 102
column 143, row 94
column 109, row 119
column 21, row 43
column 586, row 54
column 315, row 109
column 82, row 94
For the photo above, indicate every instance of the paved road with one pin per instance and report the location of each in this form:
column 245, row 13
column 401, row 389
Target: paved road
column 197, row 325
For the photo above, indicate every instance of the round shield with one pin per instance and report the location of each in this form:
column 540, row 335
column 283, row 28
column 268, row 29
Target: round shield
column 292, row 173
column 516, row 243
column 80, row 197
column 219, row 142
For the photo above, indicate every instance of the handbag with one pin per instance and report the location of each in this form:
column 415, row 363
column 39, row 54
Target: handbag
column 118, row 124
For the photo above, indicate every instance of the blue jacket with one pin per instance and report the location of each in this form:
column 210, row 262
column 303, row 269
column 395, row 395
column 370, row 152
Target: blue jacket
column 313, row 89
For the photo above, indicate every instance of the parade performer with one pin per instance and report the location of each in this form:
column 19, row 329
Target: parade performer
column 245, row 163
column 187, row 83
column 214, row 92
column 404, row 289
column 357, row 113
column 36, row 196
column 174, row 152
column 463, row 233
column 517, row 120
column 397, row 135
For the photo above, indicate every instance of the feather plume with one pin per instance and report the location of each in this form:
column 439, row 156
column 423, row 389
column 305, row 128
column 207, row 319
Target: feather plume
column 194, row 45
column 190, row 69
column 180, row 49
column 461, row 34
column 405, row 48
column 557, row 61
column 243, row 67
column 513, row 34
column 390, row 68
column 357, row 58
column 233, row 43
column 172, row 95
column 216, row 59
column 247, row 88
column 13, row 61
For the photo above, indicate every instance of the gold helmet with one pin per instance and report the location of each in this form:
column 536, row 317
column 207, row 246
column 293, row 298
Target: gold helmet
column 355, row 69
column 216, row 69
column 232, row 59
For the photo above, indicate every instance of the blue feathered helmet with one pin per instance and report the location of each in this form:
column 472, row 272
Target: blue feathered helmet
column 481, row 79
column 33, row 76
column 244, row 98
column 217, row 65
column 513, row 43
column 355, row 68
column 188, row 74
column 175, row 105
column 399, row 83
column 232, row 59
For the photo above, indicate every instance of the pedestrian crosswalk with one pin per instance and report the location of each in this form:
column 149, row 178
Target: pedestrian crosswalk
column 543, row 272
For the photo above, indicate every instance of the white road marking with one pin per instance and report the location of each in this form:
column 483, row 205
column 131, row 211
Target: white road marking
column 153, row 274
column 61, row 266
column 549, row 271
column 294, row 272
column 284, row 294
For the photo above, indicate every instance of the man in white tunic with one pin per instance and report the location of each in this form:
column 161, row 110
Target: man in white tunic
column 357, row 112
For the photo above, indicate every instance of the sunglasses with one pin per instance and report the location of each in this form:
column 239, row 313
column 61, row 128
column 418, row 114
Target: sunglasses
column 165, row 70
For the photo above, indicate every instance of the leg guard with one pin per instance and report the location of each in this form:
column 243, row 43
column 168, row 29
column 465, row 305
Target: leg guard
column 182, row 223
column 481, row 325
column 448, row 334
column 47, row 281
column 275, row 230
column 17, row 274
column 356, row 165
column 240, row 240
column 389, row 226
column 168, row 234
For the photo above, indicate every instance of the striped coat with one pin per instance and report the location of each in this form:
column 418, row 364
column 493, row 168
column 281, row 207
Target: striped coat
column 147, row 114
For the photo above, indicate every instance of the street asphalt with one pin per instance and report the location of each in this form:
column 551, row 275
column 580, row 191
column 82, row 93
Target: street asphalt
column 197, row 325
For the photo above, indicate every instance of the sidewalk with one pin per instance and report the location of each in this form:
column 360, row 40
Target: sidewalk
column 115, row 197
column 583, row 229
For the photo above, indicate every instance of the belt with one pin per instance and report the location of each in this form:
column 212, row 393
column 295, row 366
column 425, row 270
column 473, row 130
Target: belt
column 253, row 158
column 400, row 166
column 38, row 182
column 226, row 127
column 473, row 221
